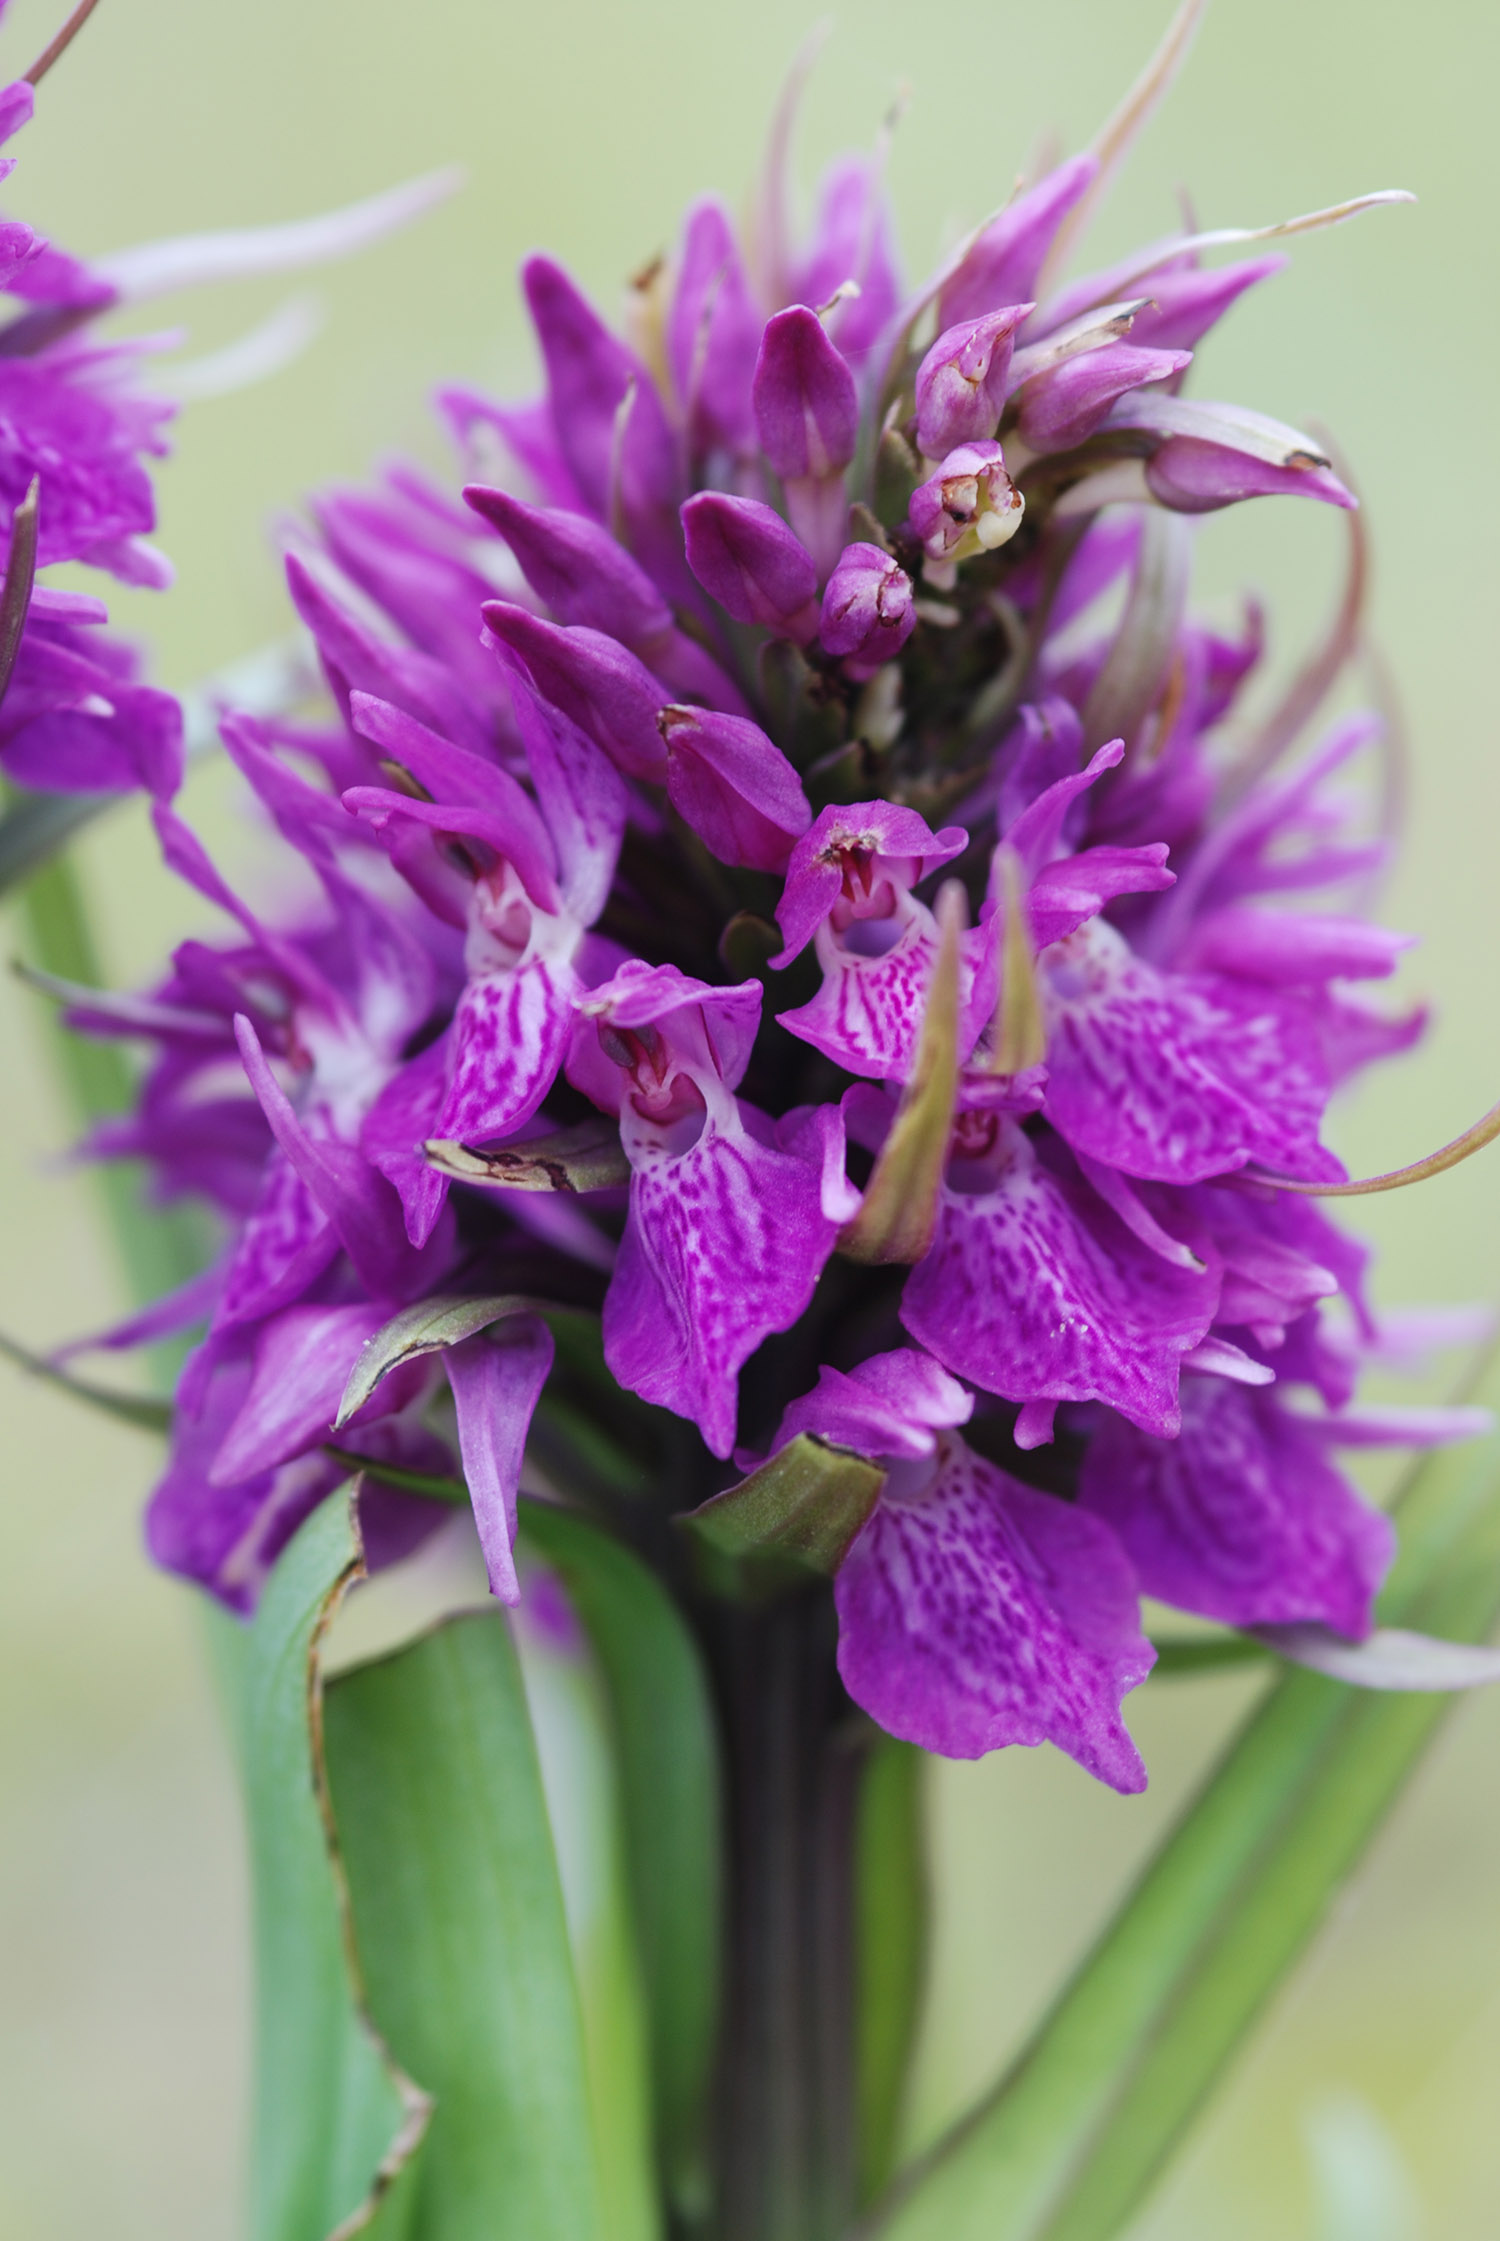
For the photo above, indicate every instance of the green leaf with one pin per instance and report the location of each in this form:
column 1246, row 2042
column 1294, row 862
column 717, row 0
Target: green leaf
column 890, row 1932
column 335, row 2122
column 586, row 1158
column 459, row 1923
column 139, row 1409
column 796, row 1514
column 1068, row 2144
column 1180, row 1657
column 394, row 1474
column 443, row 1320
column 668, row 1770
column 35, row 826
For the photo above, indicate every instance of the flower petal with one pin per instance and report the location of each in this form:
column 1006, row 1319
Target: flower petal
column 723, row 1246
column 1035, row 1290
column 979, row 1613
column 508, row 1039
column 496, row 1380
column 1241, row 1517
column 1175, row 1079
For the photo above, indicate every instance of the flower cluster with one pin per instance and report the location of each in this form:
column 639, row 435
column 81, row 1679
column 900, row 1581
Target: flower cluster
column 74, row 435
column 787, row 804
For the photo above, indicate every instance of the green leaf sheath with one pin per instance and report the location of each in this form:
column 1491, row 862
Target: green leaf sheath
column 797, row 1514
column 334, row 2120
column 667, row 1766
column 891, row 1900
column 1066, row 2146
column 459, row 1923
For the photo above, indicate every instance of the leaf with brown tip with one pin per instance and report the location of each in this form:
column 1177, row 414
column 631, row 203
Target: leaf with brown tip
column 585, row 1158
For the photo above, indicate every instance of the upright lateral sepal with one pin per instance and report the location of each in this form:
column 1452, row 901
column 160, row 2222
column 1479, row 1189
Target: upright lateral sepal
column 899, row 1212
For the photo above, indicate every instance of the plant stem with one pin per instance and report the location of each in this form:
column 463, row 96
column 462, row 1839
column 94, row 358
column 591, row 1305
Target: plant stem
column 785, row 2135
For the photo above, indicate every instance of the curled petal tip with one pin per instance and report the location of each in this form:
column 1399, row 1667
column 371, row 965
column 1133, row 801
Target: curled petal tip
column 1462, row 1147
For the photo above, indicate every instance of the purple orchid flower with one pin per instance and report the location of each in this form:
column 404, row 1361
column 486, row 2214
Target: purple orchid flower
column 688, row 1306
column 974, row 1612
column 849, row 891
column 527, row 894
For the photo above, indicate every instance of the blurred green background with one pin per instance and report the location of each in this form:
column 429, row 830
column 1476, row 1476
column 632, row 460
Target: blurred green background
column 1365, row 2111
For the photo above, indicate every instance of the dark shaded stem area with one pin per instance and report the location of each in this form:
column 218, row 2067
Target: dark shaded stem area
column 785, row 2116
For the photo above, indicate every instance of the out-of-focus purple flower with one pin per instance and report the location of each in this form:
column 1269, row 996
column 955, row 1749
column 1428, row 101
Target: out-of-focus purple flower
column 1004, row 261
column 713, row 335
column 74, row 718
column 851, row 241
column 1242, row 1516
column 75, row 433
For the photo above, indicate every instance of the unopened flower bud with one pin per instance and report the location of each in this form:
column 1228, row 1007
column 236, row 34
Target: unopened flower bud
column 585, row 575
column 868, row 610
column 961, row 381
column 746, row 557
column 970, row 505
column 735, row 788
column 806, row 405
column 1064, row 405
column 807, row 418
column 592, row 679
column 1003, row 261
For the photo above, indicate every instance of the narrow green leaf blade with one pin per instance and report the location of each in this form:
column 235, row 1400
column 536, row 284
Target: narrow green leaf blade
column 35, row 826
column 1069, row 2142
column 1182, row 1657
column 890, row 1932
column 334, row 2120
column 140, row 1409
column 459, row 1921
column 668, row 1767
